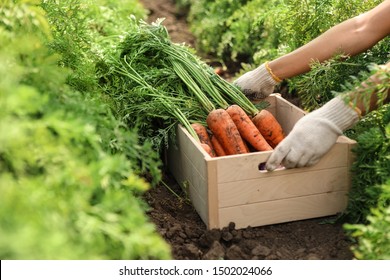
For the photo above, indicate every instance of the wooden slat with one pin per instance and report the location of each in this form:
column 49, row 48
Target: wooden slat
column 287, row 114
column 212, row 195
column 246, row 167
column 282, row 187
column 199, row 204
column 192, row 148
column 279, row 211
column 195, row 177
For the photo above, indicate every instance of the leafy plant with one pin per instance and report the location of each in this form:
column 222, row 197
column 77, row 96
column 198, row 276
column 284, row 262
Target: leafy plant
column 318, row 86
column 82, row 31
column 156, row 84
column 372, row 164
column 70, row 172
column 373, row 236
column 209, row 22
column 237, row 43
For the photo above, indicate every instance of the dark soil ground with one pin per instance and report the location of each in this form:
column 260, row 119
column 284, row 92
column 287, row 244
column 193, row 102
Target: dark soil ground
column 179, row 224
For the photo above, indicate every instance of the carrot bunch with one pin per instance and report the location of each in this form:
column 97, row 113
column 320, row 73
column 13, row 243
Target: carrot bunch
column 181, row 88
column 232, row 131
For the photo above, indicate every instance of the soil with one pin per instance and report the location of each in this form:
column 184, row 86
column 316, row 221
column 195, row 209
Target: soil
column 180, row 225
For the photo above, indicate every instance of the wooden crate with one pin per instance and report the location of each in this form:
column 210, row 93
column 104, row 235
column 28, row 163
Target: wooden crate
column 233, row 189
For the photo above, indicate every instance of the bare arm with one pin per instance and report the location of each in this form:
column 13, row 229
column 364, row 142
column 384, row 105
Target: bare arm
column 350, row 37
column 358, row 96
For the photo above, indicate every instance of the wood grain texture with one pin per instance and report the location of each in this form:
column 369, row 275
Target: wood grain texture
column 286, row 210
column 283, row 187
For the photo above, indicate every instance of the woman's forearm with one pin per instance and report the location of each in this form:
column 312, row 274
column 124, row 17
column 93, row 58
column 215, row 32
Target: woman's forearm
column 350, row 37
column 358, row 96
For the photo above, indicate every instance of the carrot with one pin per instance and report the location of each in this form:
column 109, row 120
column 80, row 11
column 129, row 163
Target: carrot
column 204, row 137
column 208, row 149
column 247, row 129
column 217, row 146
column 269, row 127
column 202, row 133
column 222, row 126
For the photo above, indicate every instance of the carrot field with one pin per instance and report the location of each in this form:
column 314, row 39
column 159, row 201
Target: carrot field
column 92, row 93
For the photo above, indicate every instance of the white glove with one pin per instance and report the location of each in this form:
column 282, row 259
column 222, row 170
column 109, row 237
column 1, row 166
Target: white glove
column 313, row 135
column 258, row 83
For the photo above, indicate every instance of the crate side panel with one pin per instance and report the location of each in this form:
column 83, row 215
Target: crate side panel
column 272, row 104
column 194, row 179
column 199, row 204
column 187, row 164
column 193, row 150
column 282, row 187
column 184, row 167
column 212, row 195
column 180, row 167
column 280, row 211
column 287, row 114
column 246, row 167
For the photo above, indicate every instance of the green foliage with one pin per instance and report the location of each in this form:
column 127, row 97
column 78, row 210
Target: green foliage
column 237, row 43
column 299, row 22
column 135, row 75
column 318, row 86
column 372, row 164
column 156, row 84
column 70, row 181
column 83, row 30
column 369, row 196
column 373, row 238
column 209, row 22
column 82, row 33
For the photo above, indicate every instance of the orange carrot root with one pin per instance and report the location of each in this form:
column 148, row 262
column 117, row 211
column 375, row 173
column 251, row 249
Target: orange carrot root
column 203, row 135
column 207, row 149
column 217, row 146
column 247, row 129
column 269, row 127
column 222, row 126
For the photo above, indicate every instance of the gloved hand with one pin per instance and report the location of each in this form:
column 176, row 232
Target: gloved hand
column 258, row 83
column 313, row 135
